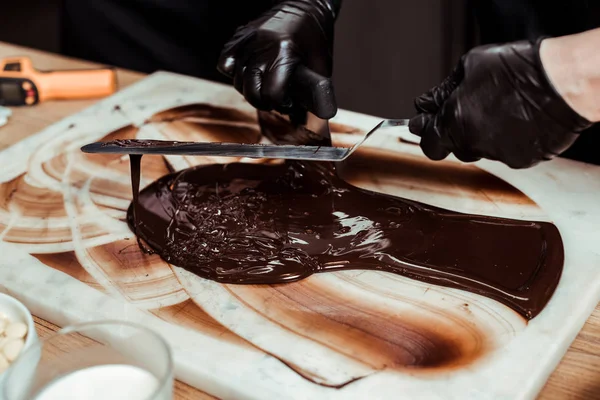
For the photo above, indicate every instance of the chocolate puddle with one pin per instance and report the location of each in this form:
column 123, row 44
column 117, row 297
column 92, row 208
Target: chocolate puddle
column 267, row 224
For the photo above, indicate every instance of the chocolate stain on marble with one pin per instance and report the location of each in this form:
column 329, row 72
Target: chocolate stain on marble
column 407, row 170
column 376, row 336
column 202, row 111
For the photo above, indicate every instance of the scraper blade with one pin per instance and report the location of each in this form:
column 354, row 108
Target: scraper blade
column 282, row 151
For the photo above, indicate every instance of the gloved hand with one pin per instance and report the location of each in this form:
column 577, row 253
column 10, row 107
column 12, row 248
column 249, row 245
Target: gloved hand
column 497, row 104
column 262, row 55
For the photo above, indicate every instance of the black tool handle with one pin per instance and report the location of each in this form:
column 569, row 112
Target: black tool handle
column 313, row 92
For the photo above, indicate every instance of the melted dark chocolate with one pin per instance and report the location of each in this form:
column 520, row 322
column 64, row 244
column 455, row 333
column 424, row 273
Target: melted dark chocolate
column 140, row 143
column 135, row 162
column 268, row 224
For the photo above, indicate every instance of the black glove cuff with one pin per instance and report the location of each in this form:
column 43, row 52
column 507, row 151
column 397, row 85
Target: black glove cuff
column 569, row 117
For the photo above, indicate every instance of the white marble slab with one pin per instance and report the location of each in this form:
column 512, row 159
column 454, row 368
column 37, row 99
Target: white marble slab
column 525, row 355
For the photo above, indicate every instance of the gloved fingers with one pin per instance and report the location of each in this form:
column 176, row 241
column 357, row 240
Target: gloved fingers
column 433, row 144
column 277, row 77
column 228, row 57
column 238, row 77
column 518, row 161
column 226, row 64
column 252, row 88
column 443, row 134
column 432, row 100
column 417, row 124
column 426, row 103
column 465, row 156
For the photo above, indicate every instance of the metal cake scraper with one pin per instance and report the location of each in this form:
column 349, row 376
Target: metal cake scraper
column 283, row 151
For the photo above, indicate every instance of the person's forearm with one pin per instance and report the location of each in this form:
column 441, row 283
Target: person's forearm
column 572, row 64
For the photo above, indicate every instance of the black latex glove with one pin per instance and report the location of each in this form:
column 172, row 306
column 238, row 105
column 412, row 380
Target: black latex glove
column 497, row 104
column 262, row 55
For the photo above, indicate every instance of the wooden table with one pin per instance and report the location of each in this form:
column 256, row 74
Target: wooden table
column 577, row 376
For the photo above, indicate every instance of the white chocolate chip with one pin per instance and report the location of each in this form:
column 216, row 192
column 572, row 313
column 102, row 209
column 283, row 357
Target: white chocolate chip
column 12, row 340
column 12, row 349
column 16, row 330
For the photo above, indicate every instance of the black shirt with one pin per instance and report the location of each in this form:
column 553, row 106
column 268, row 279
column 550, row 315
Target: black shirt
column 182, row 36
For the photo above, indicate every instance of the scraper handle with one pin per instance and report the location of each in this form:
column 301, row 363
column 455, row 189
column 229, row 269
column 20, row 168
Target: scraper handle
column 313, row 92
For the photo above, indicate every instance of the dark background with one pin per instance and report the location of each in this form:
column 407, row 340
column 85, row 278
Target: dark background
column 384, row 56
